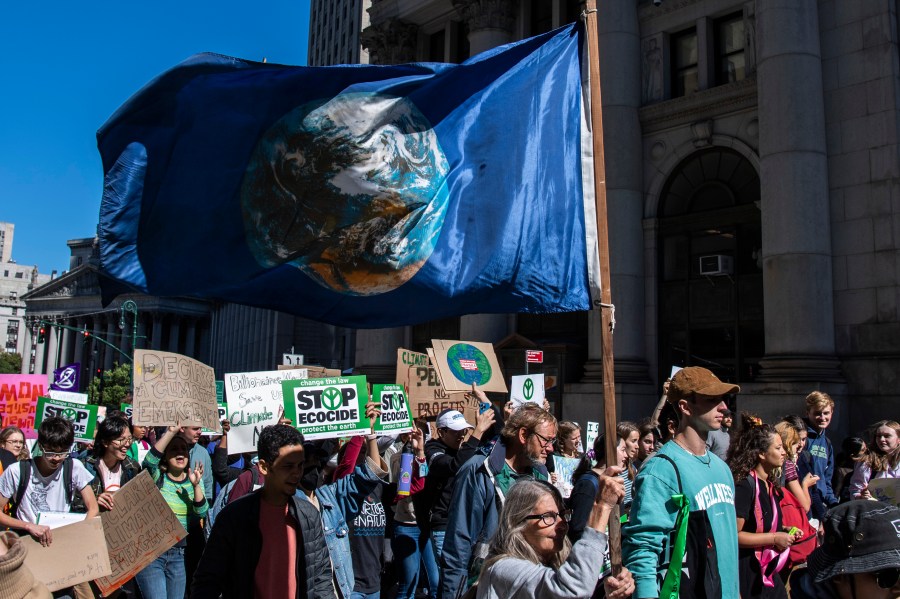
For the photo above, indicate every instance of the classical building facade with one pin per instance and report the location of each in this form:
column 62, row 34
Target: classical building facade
column 180, row 325
column 753, row 192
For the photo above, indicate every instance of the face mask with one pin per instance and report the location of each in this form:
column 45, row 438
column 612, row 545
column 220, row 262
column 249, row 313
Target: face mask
column 311, row 478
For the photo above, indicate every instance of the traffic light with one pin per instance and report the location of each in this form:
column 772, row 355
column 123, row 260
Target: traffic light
column 86, row 333
column 42, row 333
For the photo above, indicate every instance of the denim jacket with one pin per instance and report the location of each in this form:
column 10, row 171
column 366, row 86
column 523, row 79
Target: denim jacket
column 340, row 502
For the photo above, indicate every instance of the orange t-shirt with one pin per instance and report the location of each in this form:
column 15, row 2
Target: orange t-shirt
column 276, row 573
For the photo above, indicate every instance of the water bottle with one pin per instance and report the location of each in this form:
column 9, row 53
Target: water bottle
column 406, row 465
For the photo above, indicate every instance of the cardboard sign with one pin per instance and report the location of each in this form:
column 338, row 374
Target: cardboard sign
column 18, row 398
column 173, row 390
column 254, row 400
column 138, row 530
column 396, row 417
column 81, row 398
column 223, row 414
column 427, row 397
column 593, row 431
column 327, row 408
column 527, row 388
column 77, row 554
column 313, row 372
column 886, row 490
column 407, row 359
column 82, row 417
column 464, row 363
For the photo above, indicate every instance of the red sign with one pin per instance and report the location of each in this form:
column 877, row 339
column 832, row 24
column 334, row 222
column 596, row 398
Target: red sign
column 534, row 356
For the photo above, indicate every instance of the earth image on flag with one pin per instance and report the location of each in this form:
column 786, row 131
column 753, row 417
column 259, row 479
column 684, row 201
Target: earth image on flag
column 352, row 190
column 468, row 364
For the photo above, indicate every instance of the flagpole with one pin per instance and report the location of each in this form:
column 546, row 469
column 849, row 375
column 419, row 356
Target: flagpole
column 606, row 307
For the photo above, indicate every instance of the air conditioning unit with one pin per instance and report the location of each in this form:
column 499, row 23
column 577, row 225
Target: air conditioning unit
column 717, row 265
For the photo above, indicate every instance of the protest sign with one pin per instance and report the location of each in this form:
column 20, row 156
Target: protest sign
column 126, row 409
column 173, row 390
column 593, row 430
column 327, row 408
column 137, row 531
column 18, row 399
column 67, row 378
column 406, row 359
column 223, row 414
column 886, row 490
column 59, row 519
column 396, row 417
column 312, row 372
column 220, row 391
column 82, row 417
column 254, row 400
column 527, row 388
column 77, row 554
column 564, row 468
column 464, row 363
column 426, row 395
column 101, row 414
column 81, row 398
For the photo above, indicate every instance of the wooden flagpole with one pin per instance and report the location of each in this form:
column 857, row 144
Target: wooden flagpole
column 606, row 307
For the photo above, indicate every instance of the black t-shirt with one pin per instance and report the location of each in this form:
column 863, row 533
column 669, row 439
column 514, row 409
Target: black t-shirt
column 751, row 581
column 367, row 543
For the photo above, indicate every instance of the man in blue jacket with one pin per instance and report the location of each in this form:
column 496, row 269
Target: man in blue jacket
column 818, row 455
column 480, row 488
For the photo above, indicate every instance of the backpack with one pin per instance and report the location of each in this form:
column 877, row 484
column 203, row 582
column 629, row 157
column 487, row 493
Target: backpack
column 75, row 502
column 690, row 548
column 222, row 500
column 793, row 515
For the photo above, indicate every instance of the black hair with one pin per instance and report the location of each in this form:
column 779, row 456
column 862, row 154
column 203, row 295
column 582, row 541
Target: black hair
column 108, row 430
column 795, row 421
column 587, row 460
column 743, row 452
column 56, row 433
column 273, row 438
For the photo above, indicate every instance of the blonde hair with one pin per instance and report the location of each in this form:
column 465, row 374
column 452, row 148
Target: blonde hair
column 818, row 400
column 790, row 437
column 528, row 416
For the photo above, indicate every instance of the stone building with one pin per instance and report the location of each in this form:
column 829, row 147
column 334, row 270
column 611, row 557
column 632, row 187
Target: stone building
column 15, row 281
column 334, row 27
column 180, row 325
column 753, row 191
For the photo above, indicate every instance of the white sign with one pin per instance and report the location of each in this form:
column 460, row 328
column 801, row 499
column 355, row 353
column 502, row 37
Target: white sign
column 291, row 359
column 593, row 430
column 254, row 401
column 528, row 388
column 57, row 519
column 81, row 398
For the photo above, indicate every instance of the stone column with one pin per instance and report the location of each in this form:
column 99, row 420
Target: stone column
column 111, row 355
column 65, row 354
column 491, row 22
column 796, row 232
column 52, row 343
column 191, row 338
column 390, row 42
column 174, row 333
column 156, row 336
column 79, row 343
column 39, row 352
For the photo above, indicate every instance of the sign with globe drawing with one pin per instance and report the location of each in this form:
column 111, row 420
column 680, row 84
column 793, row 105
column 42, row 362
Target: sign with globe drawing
column 83, row 417
column 462, row 364
column 327, row 408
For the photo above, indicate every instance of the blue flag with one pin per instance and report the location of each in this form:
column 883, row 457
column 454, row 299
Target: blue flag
column 67, row 378
column 363, row 196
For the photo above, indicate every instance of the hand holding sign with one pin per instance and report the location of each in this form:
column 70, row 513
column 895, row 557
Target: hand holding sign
column 372, row 413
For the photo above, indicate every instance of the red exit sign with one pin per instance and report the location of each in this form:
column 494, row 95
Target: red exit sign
column 534, row 356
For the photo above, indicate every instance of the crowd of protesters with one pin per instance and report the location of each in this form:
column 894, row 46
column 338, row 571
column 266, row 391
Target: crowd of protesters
column 710, row 505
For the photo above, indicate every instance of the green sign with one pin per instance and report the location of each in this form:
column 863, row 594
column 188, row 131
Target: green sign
column 327, row 408
column 83, row 417
column 396, row 416
column 220, row 393
column 126, row 409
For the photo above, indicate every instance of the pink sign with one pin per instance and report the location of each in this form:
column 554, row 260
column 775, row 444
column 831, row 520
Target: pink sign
column 18, row 399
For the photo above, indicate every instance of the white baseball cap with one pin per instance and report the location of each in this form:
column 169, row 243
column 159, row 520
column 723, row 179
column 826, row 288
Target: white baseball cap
column 452, row 419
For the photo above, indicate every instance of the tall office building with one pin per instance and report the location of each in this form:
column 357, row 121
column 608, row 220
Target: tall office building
column 334, row 28
column 6, row 241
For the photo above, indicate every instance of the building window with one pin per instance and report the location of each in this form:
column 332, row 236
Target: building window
column 685, row 72
column 541, row 17
column 730, row 49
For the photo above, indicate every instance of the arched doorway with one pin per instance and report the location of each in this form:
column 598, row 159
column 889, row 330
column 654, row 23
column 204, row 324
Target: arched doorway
column 710, row 266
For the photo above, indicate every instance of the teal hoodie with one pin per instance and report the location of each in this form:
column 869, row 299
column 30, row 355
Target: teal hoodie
column 709, row 484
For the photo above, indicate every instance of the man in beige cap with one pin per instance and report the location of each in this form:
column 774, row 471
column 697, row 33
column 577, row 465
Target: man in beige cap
column 684, row 466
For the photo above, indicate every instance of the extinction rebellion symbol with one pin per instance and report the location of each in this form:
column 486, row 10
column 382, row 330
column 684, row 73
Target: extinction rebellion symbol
column 331, row 398
column 528, row 389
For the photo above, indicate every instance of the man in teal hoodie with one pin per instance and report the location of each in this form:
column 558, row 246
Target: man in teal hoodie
column 697, row 396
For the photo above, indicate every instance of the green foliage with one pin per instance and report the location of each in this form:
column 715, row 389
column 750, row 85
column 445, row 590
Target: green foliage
column 10, row 363
column 116, row 385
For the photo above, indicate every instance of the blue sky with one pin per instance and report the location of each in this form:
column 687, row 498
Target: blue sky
column 67, row 66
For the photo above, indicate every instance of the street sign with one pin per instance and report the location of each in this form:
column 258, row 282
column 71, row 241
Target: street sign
column 291, row 359
column 534, row 356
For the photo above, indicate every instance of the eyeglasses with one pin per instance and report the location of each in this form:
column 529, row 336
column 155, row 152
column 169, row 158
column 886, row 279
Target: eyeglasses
column 550, row 518
column 122, row 442
column 887, row 578
column 54, row 454
column 545, row 442
column 15, row 442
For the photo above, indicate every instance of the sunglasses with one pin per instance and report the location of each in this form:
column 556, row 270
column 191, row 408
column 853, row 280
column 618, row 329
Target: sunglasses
column 887, row 578
column 550, row 518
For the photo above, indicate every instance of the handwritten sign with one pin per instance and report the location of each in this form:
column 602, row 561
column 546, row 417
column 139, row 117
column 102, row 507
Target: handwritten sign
column 83, row 417
column 427, row 397
column 396, row 416
column 405, row 360
column 593, row 431
column 223, row 414
column 464, row 363
column 77, row 554
column 18, row 398
column 327, row 408
column 564, row 468
column 528, row 388
column 254, row 400
column 171, row 389
column 139, row 529
column 886, row 490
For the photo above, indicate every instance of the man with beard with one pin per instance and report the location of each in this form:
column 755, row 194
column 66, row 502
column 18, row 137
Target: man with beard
column 480, row 489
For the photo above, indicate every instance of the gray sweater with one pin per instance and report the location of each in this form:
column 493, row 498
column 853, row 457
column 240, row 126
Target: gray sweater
column 513, row 578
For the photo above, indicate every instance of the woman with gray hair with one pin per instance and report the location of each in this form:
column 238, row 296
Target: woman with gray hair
column 530, row 555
